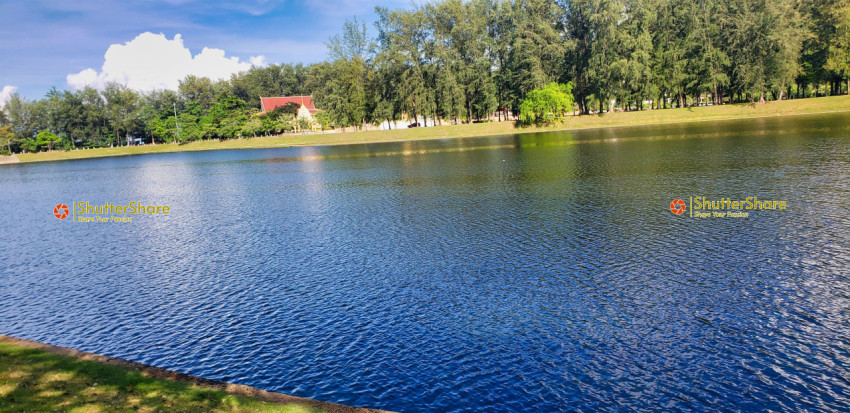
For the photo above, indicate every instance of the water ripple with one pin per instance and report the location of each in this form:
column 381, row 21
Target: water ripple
column 532, row 272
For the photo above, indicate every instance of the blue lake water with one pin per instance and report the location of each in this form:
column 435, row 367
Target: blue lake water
column 532, row 272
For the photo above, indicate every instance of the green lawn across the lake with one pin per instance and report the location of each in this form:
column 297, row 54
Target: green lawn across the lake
column 646, row 117
column 33, row 379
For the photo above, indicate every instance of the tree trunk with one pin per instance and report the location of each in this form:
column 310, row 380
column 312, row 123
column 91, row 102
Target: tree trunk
column 761, row 97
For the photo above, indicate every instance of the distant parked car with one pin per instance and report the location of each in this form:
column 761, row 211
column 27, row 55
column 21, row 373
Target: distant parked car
column 414, row 125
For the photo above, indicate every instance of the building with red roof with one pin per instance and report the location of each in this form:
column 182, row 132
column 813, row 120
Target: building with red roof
column 305, row 108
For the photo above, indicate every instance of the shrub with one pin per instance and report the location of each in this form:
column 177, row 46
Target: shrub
column 547, row 104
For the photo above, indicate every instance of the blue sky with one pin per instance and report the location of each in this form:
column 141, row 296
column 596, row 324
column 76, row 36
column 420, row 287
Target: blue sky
column 42, row 42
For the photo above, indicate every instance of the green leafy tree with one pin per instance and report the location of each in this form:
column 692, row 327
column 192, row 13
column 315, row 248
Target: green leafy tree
column 92, row 130
column 536, row 52
column 466, row 27
column 550, row 102
column 252, row 127
column 122, row 111
column 47, row 139
column 224, row 118
column 709, row 60
column 199, row 90
column 631, row 69
column 463, row 60
column 29, row 145
column 324, row 119
column 403, row 38
column 838, row 52
column 592, row 48
column 6, row 138
column 23, row 117
column 340, row 86
column 290, row 108
column 786, row 37
column 272, row 80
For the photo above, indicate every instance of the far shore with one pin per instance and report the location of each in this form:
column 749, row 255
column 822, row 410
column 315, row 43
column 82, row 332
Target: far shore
column 646, row 117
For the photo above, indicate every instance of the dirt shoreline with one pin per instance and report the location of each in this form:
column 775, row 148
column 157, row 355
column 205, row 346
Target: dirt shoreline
column 164, row 374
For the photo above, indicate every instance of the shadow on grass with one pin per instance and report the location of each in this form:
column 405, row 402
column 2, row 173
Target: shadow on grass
column 33, row 380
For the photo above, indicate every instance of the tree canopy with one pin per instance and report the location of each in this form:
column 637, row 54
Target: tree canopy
column 552, row 101
column 467, row 60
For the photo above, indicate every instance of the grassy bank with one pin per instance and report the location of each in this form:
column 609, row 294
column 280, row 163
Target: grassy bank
column 786, row 107
column 38, row 379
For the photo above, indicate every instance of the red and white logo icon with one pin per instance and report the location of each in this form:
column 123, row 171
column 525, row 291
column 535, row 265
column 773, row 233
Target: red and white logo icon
column 677, row 207
column 61, row 211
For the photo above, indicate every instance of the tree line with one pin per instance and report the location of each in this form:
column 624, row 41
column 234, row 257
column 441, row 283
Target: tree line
column 117, row 115
column 463, row 61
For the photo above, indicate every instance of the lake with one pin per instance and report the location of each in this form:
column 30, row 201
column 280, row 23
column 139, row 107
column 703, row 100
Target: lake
column 538, row 271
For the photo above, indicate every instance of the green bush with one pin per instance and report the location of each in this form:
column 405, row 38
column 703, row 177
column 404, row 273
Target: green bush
column 546, row 105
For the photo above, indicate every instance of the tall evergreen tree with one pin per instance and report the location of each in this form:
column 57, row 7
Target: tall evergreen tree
column 838, row 51
column 403, row 39
column 464, row 26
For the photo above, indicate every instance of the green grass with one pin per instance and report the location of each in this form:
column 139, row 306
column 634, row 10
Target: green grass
column 34, row 380
column 646, row 117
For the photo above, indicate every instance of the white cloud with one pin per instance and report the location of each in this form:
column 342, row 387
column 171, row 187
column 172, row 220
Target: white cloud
column 5, row 93
column 152, row 61
column 258, row 61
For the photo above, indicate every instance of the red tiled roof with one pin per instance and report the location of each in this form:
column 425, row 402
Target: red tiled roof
column 269, row 104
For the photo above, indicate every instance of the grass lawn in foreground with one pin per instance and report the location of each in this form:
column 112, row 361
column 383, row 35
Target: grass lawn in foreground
column 35, row 380
column 645, row 117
